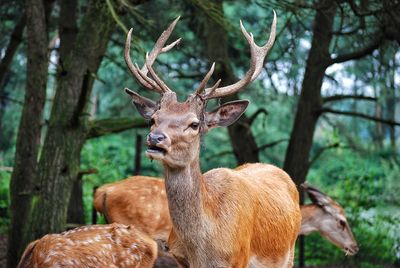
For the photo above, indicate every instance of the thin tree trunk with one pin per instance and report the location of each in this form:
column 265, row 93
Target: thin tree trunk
column 243, row 142
column 138, row 155
column 75, row 214
column 15, row 41
column 310, row 102
column 22, row 186
column 59, row 161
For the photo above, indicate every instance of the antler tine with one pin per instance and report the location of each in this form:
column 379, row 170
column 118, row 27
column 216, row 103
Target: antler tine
column 157, row 79
column 159, row 45
column 135, row 70
column 258, row 55
column 141, row 74
column 203, row 83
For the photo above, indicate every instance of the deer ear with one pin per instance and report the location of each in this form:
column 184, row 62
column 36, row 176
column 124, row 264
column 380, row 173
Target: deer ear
column 316, row 196
column 226, row 114
column 145, row 106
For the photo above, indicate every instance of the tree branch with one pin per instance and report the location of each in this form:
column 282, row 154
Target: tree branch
column 107, row 126
column 359, row 13
column 271, row 144
column 322, row 150
column 259, row 111
column 360, row 115
column 358, row 53
column 344, row 97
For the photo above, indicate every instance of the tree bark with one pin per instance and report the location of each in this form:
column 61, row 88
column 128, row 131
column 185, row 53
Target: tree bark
column 75, row 214
column 21, row 186
column 310, row 102
column 243, row 142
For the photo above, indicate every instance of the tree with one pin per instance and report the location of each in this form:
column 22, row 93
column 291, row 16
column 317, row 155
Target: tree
column 25, row 168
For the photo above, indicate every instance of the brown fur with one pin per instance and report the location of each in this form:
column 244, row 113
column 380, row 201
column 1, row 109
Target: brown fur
column 113, row 245
column 130, row 190
column 140, row 201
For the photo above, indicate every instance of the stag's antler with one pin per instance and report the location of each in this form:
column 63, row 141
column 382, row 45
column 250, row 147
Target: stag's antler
column 258, row 55
column 154, row 82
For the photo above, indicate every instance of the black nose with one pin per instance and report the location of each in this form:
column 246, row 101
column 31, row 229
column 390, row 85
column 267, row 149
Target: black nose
column 155, row 138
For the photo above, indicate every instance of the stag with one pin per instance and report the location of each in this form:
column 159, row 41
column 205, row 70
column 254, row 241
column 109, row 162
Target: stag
column 96, row 246
column 224, row 217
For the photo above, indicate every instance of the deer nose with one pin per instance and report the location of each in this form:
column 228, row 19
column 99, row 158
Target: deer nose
column 155, row 138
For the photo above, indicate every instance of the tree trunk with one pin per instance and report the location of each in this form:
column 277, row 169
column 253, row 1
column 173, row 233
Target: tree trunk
column 243, row 142
column 75, row 214
column 21, row 186
column 67, row 130
column 308, row 110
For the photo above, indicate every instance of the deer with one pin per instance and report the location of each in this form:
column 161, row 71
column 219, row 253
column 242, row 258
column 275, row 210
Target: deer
column 95, row 246
column 327, row 217
column 223, row 217
column 141, row 201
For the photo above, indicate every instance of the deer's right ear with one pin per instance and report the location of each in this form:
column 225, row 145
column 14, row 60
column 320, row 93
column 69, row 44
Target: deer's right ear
column 145, row 106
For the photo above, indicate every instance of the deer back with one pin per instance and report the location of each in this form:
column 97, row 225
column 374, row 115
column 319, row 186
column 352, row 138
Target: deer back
column 140, row 201
column 113, row 245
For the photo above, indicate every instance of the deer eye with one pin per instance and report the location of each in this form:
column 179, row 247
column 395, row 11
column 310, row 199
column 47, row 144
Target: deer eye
column 152, row 122
column 194, row 125
column 342, row 223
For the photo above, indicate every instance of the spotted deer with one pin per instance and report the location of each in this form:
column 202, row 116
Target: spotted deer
column 97, row 246
column 141, row 201
column 224, row 217
column 327, row 217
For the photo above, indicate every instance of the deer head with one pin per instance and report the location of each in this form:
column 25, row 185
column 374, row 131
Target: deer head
column 176, row 127
column 330, row 220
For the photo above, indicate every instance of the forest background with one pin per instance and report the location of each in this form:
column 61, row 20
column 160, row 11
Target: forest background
column 326, row 107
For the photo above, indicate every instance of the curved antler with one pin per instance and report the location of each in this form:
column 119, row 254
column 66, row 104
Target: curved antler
column 153, row 83
column 258, row 55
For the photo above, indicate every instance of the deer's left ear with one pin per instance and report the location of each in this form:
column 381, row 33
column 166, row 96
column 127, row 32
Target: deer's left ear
column 318, row 197
column 145, row 106
column 226, row 114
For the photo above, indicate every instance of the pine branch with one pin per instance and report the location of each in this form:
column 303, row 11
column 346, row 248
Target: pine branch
column 345, row 97
column 361, row 115
column 259, row 111
column 271, row 144
column 367, row 50
column 322, row 150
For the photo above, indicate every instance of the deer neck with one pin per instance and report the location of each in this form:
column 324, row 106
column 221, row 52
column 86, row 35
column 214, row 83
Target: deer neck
column 184, row 187
column 310, row 217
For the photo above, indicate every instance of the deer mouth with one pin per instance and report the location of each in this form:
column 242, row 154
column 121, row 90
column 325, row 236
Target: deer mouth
column 350, row 251
column 154, row 149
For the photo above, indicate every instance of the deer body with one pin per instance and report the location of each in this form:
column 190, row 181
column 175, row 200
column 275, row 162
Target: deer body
column 223, row 218
column 96, row 246
column 252, row 212
column 114, row 200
